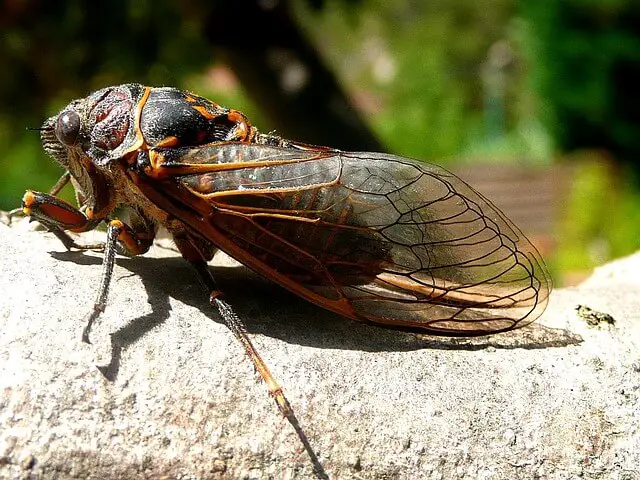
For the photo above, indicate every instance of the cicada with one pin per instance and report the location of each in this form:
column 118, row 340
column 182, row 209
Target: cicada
column 373, row 237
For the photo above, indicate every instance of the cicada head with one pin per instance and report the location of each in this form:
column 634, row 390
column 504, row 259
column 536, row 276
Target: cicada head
column 101, row 126
column 90, row 133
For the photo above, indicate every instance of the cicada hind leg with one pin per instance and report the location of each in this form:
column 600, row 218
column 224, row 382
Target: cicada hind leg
column 198, row 255
column 192, row 250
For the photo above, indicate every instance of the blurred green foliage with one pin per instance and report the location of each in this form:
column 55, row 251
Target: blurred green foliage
column 601, row 217
column 415, row 68
column 588, row 72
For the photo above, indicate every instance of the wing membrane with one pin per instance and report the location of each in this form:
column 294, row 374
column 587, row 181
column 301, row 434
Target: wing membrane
column 375, row 237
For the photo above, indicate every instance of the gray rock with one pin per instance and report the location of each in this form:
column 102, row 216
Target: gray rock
column 174, row 395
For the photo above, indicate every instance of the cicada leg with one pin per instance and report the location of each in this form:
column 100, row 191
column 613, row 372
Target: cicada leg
column 135, row 242
column 192, row 253
column 59, row 216
column 59, row 185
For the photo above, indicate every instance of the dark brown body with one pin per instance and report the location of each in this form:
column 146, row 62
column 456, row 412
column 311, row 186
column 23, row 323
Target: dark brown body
column 374, row 237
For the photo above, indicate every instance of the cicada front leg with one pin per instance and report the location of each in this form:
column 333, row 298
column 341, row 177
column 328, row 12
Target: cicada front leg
column 59, row 185
column 59, row 217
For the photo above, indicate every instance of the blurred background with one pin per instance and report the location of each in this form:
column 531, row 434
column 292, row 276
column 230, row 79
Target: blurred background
column 535, row 104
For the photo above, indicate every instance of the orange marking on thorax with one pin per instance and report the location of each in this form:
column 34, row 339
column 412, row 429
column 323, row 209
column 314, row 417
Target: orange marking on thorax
column 169, row 142
column 140, row 141
column 204, row 112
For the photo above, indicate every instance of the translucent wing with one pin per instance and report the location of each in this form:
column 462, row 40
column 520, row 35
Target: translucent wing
column 375, row 237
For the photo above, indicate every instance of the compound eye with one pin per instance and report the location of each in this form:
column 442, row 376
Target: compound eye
column 68, row 127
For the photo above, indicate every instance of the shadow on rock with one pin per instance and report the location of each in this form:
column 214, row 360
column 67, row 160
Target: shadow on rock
column 270, row 310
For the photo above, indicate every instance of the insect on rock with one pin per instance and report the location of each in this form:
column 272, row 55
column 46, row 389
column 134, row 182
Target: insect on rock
column 373, row 237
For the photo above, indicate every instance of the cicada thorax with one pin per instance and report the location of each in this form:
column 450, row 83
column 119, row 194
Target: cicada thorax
column 174, row 118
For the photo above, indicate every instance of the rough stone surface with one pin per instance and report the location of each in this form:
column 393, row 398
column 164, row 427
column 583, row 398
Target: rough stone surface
column 177, row 398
